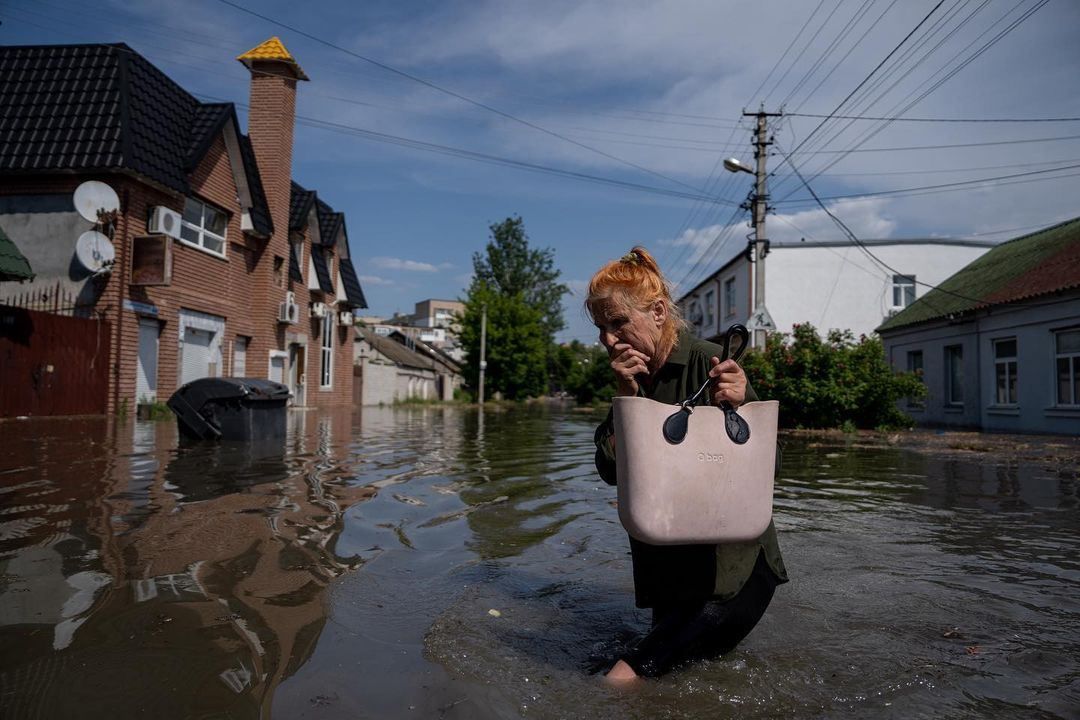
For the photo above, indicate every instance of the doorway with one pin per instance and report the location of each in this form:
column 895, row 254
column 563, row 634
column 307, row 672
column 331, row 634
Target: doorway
column 297, row 373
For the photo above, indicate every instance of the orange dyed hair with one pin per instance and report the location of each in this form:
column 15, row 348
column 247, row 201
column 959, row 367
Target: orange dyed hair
column 633, row 281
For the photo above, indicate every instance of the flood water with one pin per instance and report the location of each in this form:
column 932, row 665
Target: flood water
column 432, row 562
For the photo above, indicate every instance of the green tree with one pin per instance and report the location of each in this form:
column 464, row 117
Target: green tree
column 827, row 383
column 596, row 381
column 517, row 347
column 510, row 267
column 519, row 285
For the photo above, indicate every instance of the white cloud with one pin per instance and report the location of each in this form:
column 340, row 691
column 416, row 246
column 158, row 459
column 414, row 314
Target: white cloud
column 866, row 217
column 392, row 263
column 374, row 280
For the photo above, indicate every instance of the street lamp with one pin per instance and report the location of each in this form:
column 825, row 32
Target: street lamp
column 733, row 165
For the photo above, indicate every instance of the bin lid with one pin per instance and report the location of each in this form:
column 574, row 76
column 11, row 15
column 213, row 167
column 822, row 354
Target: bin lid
column 214, row 389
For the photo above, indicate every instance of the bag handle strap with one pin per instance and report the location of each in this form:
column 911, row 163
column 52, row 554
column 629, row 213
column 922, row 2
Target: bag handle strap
column 676, row 425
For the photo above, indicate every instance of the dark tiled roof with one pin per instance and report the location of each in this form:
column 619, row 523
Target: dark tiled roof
column 322, row 272
column 103, row 108
column 353, row 292
column 208, row 122
column 13, row 265
column 1037, row 264
column 60, row 108
column 299, row 205
column 395, row 351
column 329, row 222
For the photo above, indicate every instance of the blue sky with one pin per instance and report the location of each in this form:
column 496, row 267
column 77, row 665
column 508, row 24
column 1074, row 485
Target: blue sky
column 641, row 93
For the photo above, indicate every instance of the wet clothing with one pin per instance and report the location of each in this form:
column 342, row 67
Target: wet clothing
column 705, row 598
column 702, row 630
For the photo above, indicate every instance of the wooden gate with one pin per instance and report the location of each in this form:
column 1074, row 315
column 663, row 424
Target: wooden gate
column 51, row 364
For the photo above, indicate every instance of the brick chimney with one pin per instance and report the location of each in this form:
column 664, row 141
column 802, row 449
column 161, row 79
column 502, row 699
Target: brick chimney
column 271, row 119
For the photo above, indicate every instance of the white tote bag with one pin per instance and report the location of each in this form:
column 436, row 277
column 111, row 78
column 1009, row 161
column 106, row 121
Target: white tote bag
column 707, row 487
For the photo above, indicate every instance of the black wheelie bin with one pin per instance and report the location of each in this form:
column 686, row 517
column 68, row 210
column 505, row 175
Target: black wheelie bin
column 248, row 409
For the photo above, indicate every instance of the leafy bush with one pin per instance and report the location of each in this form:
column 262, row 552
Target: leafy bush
column 830, row 383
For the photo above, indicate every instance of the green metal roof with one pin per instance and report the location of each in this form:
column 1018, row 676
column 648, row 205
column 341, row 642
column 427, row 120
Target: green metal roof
column 1040, row 263
column 13, row 266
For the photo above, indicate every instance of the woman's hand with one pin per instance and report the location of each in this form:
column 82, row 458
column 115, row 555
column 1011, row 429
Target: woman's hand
column 730, row 383
column 627, row 364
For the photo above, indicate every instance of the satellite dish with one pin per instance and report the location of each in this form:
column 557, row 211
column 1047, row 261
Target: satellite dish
column 94, row 251
column 92, row 196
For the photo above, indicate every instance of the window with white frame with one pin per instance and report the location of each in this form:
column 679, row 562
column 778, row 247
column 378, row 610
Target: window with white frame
column 915, row 365
column 729, row 296
column 954, row 375
column 710, row 301
column 903, row 290
column 204, row 227
column 326, row 379
column 1005, row 372
column 1067, row 359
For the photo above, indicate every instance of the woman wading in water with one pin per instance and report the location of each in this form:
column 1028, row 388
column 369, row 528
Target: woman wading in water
column 704, row 598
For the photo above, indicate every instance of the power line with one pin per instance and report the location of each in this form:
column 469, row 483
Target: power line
column 483, row 157
column 941, row 186
column 937, row 26
column 864, row 80
column 950, row 73
column 862, row 246
column 855, row 19
column 454, row 94
column 941, row 147
column 939, row 120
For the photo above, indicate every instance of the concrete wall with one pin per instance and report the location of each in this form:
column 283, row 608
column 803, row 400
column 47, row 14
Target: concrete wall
column 1033, row 325
column 385, row 382
column 832, row 286
column 45, row 229
column 842, row 288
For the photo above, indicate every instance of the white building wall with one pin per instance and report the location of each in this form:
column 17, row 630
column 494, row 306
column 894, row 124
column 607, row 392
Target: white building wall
column 380, row 380
column 829, row 286
column 841, row 288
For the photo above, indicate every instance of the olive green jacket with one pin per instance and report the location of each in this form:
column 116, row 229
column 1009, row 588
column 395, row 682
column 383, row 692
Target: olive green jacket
column 664, row 574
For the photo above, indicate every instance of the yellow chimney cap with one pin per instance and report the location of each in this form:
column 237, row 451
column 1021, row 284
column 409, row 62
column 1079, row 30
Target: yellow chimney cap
column 271, row 50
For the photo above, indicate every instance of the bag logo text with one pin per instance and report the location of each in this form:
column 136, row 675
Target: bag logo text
column 710, row 457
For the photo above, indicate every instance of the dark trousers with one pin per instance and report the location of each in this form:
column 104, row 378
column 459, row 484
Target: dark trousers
column 702, row 630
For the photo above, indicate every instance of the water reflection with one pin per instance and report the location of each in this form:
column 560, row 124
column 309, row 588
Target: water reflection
column 441, row 562
column 172, row 581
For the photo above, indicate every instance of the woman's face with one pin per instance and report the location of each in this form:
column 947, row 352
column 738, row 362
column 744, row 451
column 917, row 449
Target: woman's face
column 639, row 329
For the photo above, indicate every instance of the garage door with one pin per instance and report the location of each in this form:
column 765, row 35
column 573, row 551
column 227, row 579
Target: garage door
column 195, row 362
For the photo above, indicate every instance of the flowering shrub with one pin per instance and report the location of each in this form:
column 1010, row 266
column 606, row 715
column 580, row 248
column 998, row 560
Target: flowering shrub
column 832, row 382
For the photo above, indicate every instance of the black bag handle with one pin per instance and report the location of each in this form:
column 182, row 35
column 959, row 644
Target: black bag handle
column 676, row 425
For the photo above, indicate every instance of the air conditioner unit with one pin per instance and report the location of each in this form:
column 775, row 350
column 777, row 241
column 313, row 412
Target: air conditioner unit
column 318, row 309
column 288, row 311
column 163, row 220
column 345, row 318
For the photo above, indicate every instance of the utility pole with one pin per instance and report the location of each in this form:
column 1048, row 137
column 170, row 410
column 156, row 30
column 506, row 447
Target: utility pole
column 759, row 247
column 483, row 350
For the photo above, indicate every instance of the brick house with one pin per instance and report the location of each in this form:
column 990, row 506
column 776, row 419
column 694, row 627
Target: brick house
column 253, row 280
